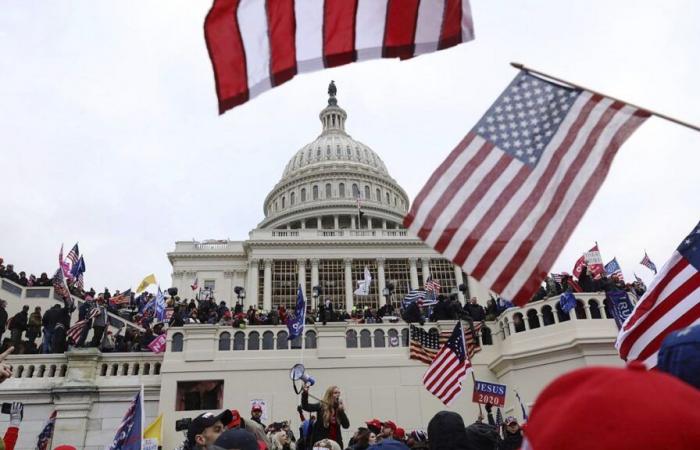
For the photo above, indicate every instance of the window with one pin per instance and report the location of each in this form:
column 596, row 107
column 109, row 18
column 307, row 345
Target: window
column 283, row 202
column 268, row 340
column 254, row 340
column 282, row 341
column 225, row 341
column 291, row 199
column 315, row 193
column 398, row 272
column 379, row 197
column 358, row 273
column 198, row 395
column 331, row 278
column 303, row 194
column 367, row 192
column 210, row 285
column 341, row 190
column 328, row 190
column 443, row 271
column 239, row 341
column 311, row 339
column 276, row 207
column 379, row 338
column 351, row 339
column 285, row 278
column 365, row 339
column 355, row 190
column 388, row 200
column 177, row 343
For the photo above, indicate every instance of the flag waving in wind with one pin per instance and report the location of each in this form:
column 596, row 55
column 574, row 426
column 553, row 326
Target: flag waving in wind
column 46, row 435
column 671, row 303
column 255, row 45
column 364, row 285
column 613, row 270
column 295, row 321
column 646, row 262
column 451, row 365
column 147, row 281
column 507, row 198
column 130, row 431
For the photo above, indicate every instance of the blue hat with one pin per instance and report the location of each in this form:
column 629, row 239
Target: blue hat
column 388, row 444
column 680, row 355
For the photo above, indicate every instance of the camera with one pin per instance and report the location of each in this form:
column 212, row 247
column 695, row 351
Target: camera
column 183, row 424
column 7, row 409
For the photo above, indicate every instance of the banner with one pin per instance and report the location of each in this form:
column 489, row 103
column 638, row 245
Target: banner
column 489, row 393
column 622, row 306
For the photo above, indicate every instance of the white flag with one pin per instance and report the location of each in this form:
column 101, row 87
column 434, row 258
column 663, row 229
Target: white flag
column 363, row 286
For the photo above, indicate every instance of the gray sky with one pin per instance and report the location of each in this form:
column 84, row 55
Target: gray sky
column 109, row 133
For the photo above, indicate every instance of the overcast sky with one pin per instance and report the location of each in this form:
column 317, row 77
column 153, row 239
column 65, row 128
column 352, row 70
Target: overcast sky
column 109, row 132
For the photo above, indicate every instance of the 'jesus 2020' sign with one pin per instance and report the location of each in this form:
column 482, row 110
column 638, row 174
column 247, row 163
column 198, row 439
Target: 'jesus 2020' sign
column 489, row 393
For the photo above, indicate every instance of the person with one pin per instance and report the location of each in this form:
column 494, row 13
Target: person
column 236, row 439
column 326, row 311
column 413, row 313
column 331, row 415
column 83, row 312
column 447, row 432
column 18, row 324
column 512, row 435
column 417, row 439
column 475, row 310
column 491, row 309
column 441, row 310
column 280, row 441
column 256, row 414
column 34, row 325
column 327, row 444
column 388, row 430
column 100, row 322
column 679, row 355
column 5, row 368
column 206, row 428
column 582, row 410
column 363, row 439
column 388, row 444
column 12, row 432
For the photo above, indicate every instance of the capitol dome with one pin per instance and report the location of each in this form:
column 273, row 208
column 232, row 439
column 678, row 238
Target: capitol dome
column 325, row 179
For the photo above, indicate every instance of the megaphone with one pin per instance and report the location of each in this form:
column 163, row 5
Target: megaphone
column 298, row 373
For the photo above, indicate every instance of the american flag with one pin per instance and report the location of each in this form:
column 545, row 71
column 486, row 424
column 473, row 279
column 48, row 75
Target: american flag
column 59, row 285
column 414, row 295
column 505, row 201
column 451, row 365
column 73, row 254
column 613, row 270
column 423, row 345
column 79, row 281
column 122, row 299
column 646, row 262
column 130, row 431
column 46, row 436
column 74, row 332
column 499, row 421
column 255, row 45
column 432, row 285
column 672, row 302
column 556, row 277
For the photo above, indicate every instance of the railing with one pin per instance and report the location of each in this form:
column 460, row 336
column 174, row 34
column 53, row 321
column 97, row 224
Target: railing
column 221, row 246
column 315, row 233
column 108, row 365
column 129, row 364
column 38, row 366
column 259, row 338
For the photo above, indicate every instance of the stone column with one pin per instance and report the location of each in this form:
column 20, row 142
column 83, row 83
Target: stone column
column 459, row 279
column 348, row 284
column 335, row 222
column 414, row 271
column 251, row 297
column 319, row 222
column 369, row 223
column 230, row 296
column 381, row 281
column 425, row 269
column 267, row 285
column 383, row 224
column 303, row 224
column 352, row 222
column 314, row 278
column 301, row 266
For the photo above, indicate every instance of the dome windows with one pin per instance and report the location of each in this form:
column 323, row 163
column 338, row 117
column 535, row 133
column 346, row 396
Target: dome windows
column 284, row 199
column 292, row 197
column 328, row 190
column 341, row 190
column 303, row 194
column 379, row 195
column 366, row 192
column 315, row 192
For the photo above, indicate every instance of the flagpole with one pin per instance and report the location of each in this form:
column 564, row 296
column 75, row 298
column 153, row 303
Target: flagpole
column 652, row 112
column 466, row 354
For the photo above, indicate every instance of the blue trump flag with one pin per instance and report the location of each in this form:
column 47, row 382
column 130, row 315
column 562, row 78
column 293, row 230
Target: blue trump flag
column 130, row 431
column 567, row 301
column 295, row 322
column 160, row 306
column 622, row 306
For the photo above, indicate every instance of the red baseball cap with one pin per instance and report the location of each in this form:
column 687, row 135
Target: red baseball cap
column 400, row 433
column 235, row 419
column 374, row 425
column 390, row 424
column 627, row 409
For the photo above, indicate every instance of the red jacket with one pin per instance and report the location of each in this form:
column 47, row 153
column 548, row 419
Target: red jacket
column 10, row 438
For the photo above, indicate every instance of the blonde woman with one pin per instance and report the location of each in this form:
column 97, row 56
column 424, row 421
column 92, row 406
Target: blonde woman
column 331, row 415
column 280, row 441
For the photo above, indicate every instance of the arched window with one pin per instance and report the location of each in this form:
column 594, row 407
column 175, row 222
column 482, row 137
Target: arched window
column 379, row 338
column 225, row 341
column 379, row 195
column 239, row 341
column 594, row 307
column 486, row 337
column 341, row 190
column 254, row 340
column 268, row 341
column 608, row 309
column 365, row 339
column 315, row 192
column 580, row 310
column 563, row 317
column 303, row 194
column 283, row 201
column 282, row 342
column 328, row 190
column 355, row 190
column 395, row 201
column 177, row 343
column 518, row 322
column 292, row 198
column 311, row 339
column 367, row 192
column 547, row 315
column 147, row 369
column 393, row 338
column 532, row 319
column 351, row 339
column 276, row 207
column 404, row 337
column 388, row 199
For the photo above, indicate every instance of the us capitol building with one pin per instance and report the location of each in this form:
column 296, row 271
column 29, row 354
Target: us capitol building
column 312, row 235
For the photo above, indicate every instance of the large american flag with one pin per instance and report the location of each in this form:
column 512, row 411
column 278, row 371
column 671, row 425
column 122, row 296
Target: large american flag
column 451, row 365
column 74, row 332
column 672, row 302
column 505, row 201
column 73, row 254
column 646, row 262
column 255, row 45
column 46, row 436
column 423, row 345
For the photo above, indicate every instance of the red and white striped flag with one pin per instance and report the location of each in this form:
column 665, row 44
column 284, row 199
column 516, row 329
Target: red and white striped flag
column 74, row 332
column 671, row 303
column 255, row 45
column 451, row 365
column 506, row 200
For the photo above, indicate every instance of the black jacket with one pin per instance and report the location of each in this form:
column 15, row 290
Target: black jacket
column 19, row 321
column 3, row 319
column 476, row 312
column 446, row 432
column 321, row 432
column 511, row 441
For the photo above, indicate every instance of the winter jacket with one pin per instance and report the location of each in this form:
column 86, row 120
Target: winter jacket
column 320, row 431
column 481, row 436
column 511, row 441
column 446, row 431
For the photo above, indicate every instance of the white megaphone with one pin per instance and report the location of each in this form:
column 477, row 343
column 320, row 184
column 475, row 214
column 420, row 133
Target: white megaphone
column 298, row 373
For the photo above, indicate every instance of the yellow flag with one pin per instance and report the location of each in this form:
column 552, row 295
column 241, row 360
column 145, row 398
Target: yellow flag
column 154, row 430
column 149, row 280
